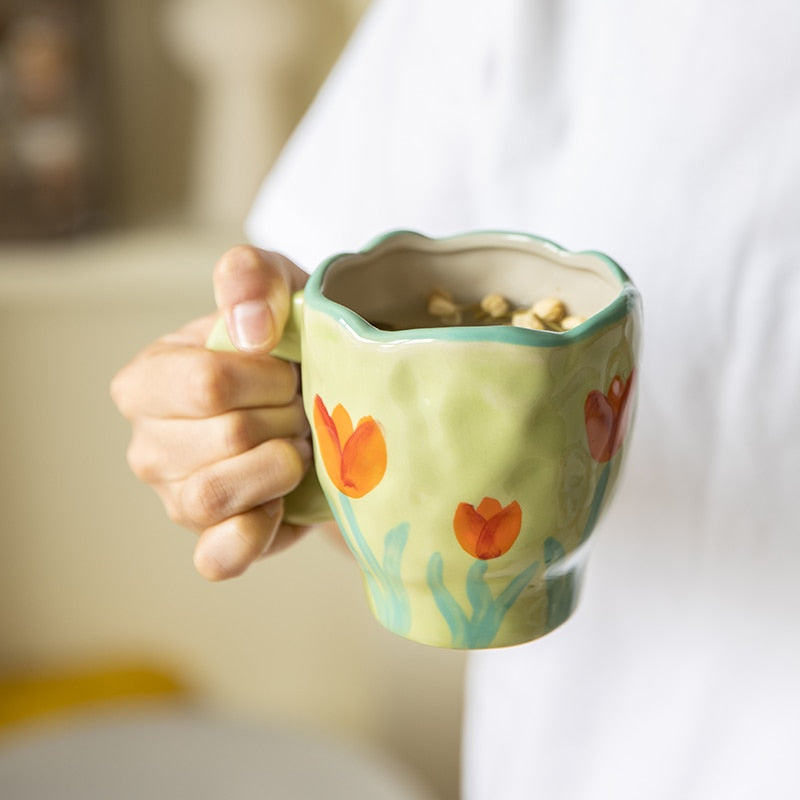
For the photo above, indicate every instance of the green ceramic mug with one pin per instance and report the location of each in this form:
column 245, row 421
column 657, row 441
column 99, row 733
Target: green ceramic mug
column 466, row 465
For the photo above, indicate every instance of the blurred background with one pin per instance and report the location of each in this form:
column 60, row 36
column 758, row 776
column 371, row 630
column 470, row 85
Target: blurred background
column 133, row 136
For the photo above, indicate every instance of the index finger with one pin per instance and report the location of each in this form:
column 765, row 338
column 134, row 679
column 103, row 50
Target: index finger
column 172, row 380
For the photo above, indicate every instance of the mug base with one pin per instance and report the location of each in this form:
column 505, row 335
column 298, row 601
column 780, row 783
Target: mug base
column 429, row 614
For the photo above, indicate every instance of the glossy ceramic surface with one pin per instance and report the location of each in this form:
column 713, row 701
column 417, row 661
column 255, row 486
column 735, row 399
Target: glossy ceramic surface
column 467, row 466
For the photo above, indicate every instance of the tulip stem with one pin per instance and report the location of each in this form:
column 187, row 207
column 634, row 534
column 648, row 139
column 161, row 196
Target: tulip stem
column 384, row 580
column 488, row 612
column 561, row 587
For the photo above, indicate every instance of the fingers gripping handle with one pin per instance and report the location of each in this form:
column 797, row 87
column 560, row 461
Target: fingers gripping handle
column 305, row 505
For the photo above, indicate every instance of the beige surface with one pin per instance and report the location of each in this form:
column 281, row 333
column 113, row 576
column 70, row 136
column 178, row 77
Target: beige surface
column 92, row 571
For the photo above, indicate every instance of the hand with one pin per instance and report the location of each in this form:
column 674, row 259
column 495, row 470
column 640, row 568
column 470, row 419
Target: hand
column 222, row 436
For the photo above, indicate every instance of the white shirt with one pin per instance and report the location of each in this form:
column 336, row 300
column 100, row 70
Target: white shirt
column 668, row 135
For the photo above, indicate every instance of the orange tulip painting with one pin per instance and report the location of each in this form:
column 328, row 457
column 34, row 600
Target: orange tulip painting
column 354, row 457
column 606, row 418
column 489, row 530
column 485, row 532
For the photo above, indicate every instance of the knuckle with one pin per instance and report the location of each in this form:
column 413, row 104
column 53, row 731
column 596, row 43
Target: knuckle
column 175, row 513
column 243, row 256
column 204, row 500
column 210, row 385
column 142, row 462
column 169, row 499
column 240, row 261
column 237, row 433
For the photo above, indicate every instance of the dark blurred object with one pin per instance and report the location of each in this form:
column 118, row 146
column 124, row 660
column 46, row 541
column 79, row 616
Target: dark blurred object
column 51, row 117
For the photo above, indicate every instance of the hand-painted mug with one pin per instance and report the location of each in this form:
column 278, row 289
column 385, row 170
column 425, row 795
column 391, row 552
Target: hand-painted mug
column 466, row 465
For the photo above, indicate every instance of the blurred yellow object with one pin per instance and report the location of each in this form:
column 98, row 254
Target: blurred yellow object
column 32, row 695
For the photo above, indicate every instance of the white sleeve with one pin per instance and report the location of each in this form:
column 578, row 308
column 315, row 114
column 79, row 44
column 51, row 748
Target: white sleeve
column 375, row 151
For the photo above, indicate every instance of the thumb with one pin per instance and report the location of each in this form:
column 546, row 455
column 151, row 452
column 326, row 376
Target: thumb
column 253, row 291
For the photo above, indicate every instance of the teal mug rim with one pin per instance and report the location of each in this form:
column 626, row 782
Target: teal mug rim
column 622, row 305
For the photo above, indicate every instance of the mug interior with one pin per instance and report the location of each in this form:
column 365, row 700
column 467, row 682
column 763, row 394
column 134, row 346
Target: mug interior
column 387, row 285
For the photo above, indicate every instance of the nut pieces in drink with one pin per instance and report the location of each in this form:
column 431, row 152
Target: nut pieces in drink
column 547, row 313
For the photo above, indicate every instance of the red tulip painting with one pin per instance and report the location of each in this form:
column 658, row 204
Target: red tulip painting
column 354, row 457
column 489, row 530
column 606, row 418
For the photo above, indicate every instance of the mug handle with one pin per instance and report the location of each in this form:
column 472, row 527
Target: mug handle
column 306, row 504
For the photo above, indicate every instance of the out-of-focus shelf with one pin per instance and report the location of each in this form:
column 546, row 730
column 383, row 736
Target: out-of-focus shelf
column 114, row 266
